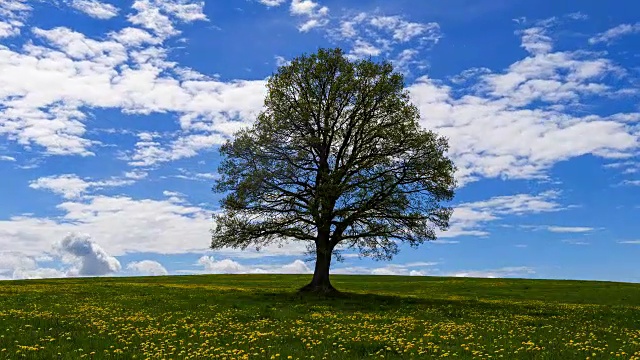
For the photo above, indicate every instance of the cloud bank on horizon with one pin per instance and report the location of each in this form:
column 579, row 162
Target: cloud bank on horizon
column 111, row 114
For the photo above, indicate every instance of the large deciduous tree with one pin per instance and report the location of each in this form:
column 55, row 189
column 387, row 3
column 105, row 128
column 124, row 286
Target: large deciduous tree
column 336, row 158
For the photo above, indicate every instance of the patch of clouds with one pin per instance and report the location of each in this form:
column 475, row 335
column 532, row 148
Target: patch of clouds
column 122, row 224
column 468, row 218
column 404, row 270
column 313, row 13
column 229, row 266
column 570, row 229
column 281, row 61
column 536, row 40
column 392, row 36
column 88, row 258
column 271, row 3
column 127, row 71
column 159, row 16
column 13, row 13
column 504, row 272
column 7, row 158
column 469, row 75
column 95, row 9
column 70, row 186
column 631, row 242
column 615, row 33
column 497, row 132
column 82, row 255
column 39, row 273
column 147, row 267
column 404, row 31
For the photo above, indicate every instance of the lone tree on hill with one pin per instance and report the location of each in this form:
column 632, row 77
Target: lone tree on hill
column 336, row 157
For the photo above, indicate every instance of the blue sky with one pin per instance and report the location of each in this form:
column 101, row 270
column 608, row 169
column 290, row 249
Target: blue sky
column 111, row 115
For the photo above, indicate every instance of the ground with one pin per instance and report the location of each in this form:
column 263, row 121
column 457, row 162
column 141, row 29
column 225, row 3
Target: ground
column 263, row 317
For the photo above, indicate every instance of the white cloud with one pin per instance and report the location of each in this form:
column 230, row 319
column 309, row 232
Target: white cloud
column 10, row 261
column 94, row 8
column 7, row 158
column 390, row 269
column 39, row 273
column 70, row 186
column 147, row 267
column 271, row 3
column 125, row 225
column 74, row 70
column 281, row 61
column 513, row 271
column 136, row 175
column 616, row 32
column 314, row 14
column 396, row 38
column 575, row 242
column 535, row 40
column 633, row 242
column 228, row 266
column 159, row 15
column 122, row 224
column 497, row 133
column 404, row 31
column 88, row 257
column 570, row 229
column 12, row 16
column 467, row 218
column 362, row 49
column 577, row 16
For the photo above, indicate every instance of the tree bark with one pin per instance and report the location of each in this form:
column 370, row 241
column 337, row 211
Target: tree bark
column 320, row 282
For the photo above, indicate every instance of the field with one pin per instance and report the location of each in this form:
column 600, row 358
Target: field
column 262, row 317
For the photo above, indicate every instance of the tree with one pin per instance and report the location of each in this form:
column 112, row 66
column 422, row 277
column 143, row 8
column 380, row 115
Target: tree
column 336, row 157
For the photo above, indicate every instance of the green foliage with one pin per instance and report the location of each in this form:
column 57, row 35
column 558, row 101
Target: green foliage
column 337, row 156
column 261, row 316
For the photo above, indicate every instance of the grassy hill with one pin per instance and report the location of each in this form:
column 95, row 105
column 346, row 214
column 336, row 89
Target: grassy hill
column 261, row 317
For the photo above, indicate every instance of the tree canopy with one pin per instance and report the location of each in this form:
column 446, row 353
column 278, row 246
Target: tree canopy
column 336, row 158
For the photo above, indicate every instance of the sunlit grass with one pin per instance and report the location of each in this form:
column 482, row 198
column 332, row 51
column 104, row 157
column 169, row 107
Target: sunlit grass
column 261, row 317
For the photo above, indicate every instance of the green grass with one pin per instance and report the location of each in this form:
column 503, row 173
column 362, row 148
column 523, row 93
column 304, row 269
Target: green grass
column 262, row 317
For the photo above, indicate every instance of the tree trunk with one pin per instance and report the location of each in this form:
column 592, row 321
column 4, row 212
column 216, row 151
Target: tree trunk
column 320, row 282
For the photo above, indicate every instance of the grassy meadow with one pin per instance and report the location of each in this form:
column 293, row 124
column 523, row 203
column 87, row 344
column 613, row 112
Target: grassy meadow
column 262, row 317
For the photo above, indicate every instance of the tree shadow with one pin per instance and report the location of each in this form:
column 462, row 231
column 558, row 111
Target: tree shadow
column 367, row 302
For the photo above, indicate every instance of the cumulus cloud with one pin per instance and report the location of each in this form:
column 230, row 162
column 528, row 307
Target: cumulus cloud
column 87, row 256
column 94, row 8
column 147, row 267
column 122, row 72
column 79, row 252
column 228, row 266
column 12, row 16
column 70, row 186
column 575, row 242
column 314, row 14
column 495, row 132
column 11, row 261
